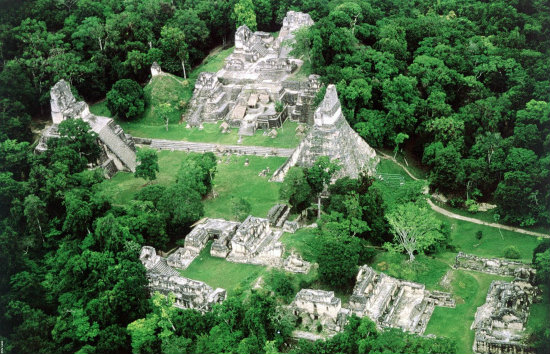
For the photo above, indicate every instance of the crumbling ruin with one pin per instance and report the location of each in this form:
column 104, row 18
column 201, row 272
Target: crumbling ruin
column 254, row 80
column 118, row 151
column 188, row 293
column 498, row 266
column 396, row 303
column 500, row 323
column 332, row 136
column 319, row 306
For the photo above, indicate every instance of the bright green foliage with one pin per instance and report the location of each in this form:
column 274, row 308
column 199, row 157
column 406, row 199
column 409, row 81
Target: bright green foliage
column 415, row 230
column 240, row 208
column 244, row 14
column 148, row 166
column 296, row 189
column 512, row 252
column 126, row 99
column 338, row 256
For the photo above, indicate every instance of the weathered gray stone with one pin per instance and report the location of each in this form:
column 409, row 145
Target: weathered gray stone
column 496, row 266
column 391, row 302
column 166, row 280
column 499, row 324
column 332, row 136
column 118, row 150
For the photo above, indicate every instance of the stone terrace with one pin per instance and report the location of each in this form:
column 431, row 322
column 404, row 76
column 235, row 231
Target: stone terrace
column 391, row 302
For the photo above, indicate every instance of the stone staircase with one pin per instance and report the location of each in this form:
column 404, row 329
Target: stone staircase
column 218, row 148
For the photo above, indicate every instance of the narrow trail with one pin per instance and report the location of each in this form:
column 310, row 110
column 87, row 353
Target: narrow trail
column 452, row 215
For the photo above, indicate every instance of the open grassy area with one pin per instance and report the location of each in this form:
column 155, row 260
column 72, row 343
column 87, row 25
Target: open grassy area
column 492, row 243
column 211, row 133
column 303, row 242
column 219, row 273
column 470, row 290
column 425, row 269
column 233, row 179
column 123, row 186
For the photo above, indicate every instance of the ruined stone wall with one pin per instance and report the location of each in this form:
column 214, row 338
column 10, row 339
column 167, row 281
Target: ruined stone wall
column 496, row 266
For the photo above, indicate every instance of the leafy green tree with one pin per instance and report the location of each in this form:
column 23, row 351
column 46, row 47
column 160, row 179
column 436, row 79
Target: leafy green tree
column 415, row 228
column 147, row 166
column 79, row 136
column 399, row 139
column 244, row 14
column 182, row 206
column 240, row 208
column 296, row 189
column 126, row 99
column 165, row 111
column 173, row 44
column 338, row 258
column 319, row 176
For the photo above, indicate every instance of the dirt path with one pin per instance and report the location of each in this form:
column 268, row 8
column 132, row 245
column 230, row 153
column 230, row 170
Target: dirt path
column 452, row 215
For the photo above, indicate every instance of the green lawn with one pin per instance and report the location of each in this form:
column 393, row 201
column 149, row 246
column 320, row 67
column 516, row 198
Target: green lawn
column 470, row 290
column 219, row 273
column 233, row 179
column 425, row 269
column 303, row 242
column 286, row 138
column 123, row 186
column 492, row 243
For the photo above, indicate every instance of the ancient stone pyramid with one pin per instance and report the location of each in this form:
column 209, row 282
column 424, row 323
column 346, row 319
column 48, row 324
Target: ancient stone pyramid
column 332, row 136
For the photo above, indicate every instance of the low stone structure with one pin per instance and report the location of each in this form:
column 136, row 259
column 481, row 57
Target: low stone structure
column 321, row 307
column 188, row 293
column 500, row 323
column 278, row 214
column 118, row 150
column 496, row 266
column 256, row 243
column 396, row 303
column 332, row 136
column 195, row 241
column 295, row 264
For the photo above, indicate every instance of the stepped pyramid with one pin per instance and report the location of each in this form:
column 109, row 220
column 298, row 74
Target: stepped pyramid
column 332, row 136
column 118, row 150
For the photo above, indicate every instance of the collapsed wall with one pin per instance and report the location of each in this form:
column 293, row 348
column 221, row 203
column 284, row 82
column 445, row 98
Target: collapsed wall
column 189, row 293
column 498, row 266
column 118, row 150
column 332, row 136
column 499, row 324
column 396, row 303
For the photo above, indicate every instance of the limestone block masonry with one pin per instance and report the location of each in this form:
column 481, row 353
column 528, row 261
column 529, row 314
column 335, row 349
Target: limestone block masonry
column 332, row 136
column 188, row 293
column 118, row 150
column 499, row 324
column 496, row 266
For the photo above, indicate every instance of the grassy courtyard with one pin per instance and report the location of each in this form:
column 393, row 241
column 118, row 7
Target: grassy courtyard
column 469, row 290
column 219, row 273
column 234, row 179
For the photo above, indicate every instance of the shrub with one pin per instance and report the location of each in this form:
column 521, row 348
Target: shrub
column 479, row 234
column 319, row 328
column 512, row 252
column 126, row 99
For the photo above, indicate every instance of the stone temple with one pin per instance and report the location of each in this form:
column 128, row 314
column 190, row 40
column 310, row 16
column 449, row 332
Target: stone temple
column 499, row 324
column 257, row 75
column 118, row 151
column 332, row 136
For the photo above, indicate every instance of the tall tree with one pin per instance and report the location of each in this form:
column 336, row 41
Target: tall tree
column 147, row 164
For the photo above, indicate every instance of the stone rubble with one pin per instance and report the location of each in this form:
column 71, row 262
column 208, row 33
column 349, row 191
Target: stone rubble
column 496, row 266
column 189, row 294
column 118, row 150
column 499, row 324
